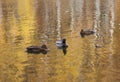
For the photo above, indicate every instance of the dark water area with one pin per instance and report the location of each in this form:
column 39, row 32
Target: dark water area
column 94, row 58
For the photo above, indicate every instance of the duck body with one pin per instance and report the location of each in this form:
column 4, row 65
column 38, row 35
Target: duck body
column 33, row 49
column 61, row 44
column 86, row 32
column 37, row 49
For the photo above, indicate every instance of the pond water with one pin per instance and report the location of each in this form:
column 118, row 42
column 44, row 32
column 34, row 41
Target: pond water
column 94, row 58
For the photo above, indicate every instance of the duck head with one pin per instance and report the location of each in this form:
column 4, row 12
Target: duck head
column 44, row 46
column 82, row 33
column 64, row 41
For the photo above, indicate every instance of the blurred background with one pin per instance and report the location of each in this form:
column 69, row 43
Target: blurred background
column 94, row 58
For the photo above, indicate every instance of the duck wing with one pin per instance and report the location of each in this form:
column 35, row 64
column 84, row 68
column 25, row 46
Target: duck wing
column 88, row 32
column 59, row 43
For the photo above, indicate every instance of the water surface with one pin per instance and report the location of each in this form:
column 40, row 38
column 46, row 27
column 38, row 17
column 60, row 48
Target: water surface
column 94, row 58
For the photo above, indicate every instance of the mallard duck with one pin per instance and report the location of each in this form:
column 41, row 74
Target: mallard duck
column 86, row 32
column 61, row 43
column 37, row 49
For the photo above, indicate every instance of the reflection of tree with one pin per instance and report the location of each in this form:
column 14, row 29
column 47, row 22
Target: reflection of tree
column 9, row 15
column 45, row 20
column 28, row 23
column 87, row 68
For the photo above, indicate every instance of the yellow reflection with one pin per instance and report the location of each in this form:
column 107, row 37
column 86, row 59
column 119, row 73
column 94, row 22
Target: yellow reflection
column 17, row 26
column 26, row 12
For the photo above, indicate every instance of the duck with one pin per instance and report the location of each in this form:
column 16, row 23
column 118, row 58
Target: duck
column 61, row 43
column 98, row 46
column 86, row 32
column 37, row 49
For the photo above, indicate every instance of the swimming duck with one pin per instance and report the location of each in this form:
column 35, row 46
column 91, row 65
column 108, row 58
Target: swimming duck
column 61, row 43
column 86, row 32
column 37, row 49
column 98, row 46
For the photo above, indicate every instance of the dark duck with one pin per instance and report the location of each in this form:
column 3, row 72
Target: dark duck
column 37, row 49
column 61, row 44
column 84, row 33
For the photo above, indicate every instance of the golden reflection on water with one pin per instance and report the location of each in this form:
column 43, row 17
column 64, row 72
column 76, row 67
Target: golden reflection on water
column 25, row 23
